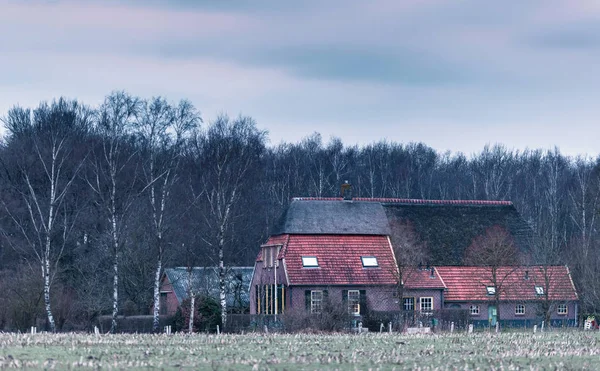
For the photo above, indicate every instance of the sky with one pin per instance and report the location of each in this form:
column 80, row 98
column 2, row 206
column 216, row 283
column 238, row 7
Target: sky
column 454, row 74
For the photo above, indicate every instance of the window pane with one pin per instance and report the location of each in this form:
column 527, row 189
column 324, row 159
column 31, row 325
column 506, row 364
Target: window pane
column 427, row 304
column 354, row 302
column 316, row 301
column 310, row 261
column 474, row 309
column 409, row 304
column 369, row 261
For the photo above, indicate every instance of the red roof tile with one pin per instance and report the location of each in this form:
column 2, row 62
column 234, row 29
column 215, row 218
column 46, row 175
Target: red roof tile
column 339, row 258
column 409, row 201
column 415, row 278
column 469, row 283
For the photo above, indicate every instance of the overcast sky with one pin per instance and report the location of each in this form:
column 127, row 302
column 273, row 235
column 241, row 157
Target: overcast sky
column 452, row 74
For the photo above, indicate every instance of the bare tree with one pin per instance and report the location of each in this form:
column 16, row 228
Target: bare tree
column 495, row 250
column 227, row 156
column 110, row 179
column 163, row 130
column 44, row 179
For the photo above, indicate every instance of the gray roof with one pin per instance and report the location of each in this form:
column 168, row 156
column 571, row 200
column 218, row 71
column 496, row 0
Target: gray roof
column 205, row 281
column 333, row 217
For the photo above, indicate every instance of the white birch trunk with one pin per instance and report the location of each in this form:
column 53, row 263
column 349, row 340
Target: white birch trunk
column 46, row 275
column 113, row 325
column 192, row 310
column 222, row 298
column 156, row 309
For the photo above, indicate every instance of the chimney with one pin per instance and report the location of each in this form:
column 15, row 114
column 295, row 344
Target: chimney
column 526, row 275
column 346, row 191
column 432, row 272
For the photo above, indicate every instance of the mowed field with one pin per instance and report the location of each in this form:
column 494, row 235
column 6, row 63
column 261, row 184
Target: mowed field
column 506, row 351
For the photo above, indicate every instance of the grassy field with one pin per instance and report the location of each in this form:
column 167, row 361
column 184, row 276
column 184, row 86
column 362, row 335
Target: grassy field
column 507, row 351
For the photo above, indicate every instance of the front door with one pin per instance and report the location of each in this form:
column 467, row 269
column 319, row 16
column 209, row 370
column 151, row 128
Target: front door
column 492, row 315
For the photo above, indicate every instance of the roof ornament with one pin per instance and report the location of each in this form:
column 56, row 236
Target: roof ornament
column 346, row 191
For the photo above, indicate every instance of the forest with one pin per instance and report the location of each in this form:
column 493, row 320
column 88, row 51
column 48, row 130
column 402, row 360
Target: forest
column 97, row 201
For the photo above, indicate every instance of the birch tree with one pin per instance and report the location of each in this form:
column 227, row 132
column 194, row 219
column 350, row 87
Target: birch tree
column 227, row 156
column 111, row 179
column 50, row 138
column 162, row 130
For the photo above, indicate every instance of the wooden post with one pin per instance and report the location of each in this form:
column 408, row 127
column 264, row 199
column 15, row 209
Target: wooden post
column 451, row 327
column 534, row 329
column 360, row 327
column 470, row 328
column 381, row 327
column 542, row 328
column 218, row 330
column 96, row 330
column 497, row 327
column 390, row 327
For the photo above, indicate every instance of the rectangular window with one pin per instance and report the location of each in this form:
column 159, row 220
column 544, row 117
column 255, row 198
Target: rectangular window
column 474, row 309
column 409, row 304
column 539, row 290
column 491, row 290
column 270, row 297
column 310, row 261
column 562, row 309
column 369, row 261
column 520, row 309
column 427, row 304
column 269, row 255
column 354, row 302
column 316, row 301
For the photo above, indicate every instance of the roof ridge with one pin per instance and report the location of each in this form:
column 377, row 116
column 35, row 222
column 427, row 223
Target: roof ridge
column 409, row 201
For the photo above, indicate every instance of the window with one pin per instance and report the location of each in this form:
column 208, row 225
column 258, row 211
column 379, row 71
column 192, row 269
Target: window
column 316, row 301
column 369, row 261
column 354, row 302
column 491, row 290
column 426, row 304
column 520, row 309
column 474, row 309
column 539, row 290
column 409, row 304
column 562, row 309
column 270, row 299
column 310, row 261
column 269, row 254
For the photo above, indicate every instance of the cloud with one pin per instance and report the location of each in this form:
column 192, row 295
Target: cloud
column 577, row 36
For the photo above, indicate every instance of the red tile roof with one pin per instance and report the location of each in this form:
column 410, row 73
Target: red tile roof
column 280, row 240
column 409, row 201
column 415, row 278
column 339, row 258
column 469, row 283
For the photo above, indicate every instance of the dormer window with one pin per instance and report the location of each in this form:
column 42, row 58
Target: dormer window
column 269, row 255
column 310, row 262
column 369, row 261
column 539, row 290
column 491, row 290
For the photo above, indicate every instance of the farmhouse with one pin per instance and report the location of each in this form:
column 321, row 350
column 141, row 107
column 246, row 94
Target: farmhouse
column 175, row 286
column 340, row 251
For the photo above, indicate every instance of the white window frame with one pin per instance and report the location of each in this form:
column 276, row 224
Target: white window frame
column 369, row 261
column 539, row 290
column 474, row 310
column 412, row 306
column 491, row 290
column 354, row 302
column 429, row 299
column 519, row 309
column 562, row 309
column 310, row 262
column 316, row 301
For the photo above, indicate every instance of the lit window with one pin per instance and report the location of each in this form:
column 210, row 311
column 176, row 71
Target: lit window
column 310, row 261
column 426, row 304
column 369, row 261
column 354, row 302
column 562, row 309
column 520, row 309
column 539, row 290
column 491, row 290
column 409, row 304
column 474, row 309
column 316, row 301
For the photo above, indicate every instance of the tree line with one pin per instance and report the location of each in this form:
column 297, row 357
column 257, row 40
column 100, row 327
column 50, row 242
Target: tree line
column 97, row 201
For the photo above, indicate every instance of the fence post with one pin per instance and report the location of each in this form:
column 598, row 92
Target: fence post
column 360, row 327
column 218, row 330
column 96, row 330
column 390, row 327
column 497, row 327
column 381, row 327
column 33, row 330
column 451, row 327
column 470, row 328
column 542, row 328
column 534, row 329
